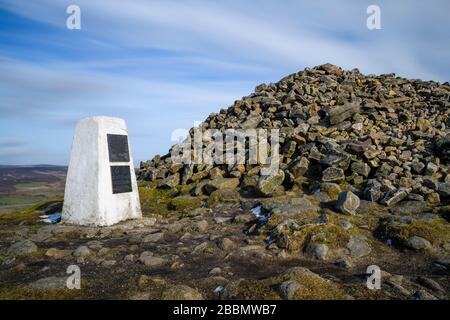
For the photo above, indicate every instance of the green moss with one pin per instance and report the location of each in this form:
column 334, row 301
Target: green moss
column 166, row 201
column 313, row 287
column 330, row 233
column 22, row 292
column 27, row 293
column 223, row 195
column 29, row 215
column 155, row 200
column 183, row 203
column 436, row 231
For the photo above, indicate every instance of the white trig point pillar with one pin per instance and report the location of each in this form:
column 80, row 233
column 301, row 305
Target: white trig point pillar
column 101, row 187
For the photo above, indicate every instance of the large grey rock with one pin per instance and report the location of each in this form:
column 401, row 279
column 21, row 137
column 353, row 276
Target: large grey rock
column 267, row 185
column 361, row 168
column 418, row 243
column 299, row 167
column 181, row 292
column 444, row 189
column 317, row 251
column 372, row 191
column 171, row 181
column 153, row 237
column 50, row 283
column 358, row 247
column 392, row 198
column 333, row 174
column 423, row 295
column 82, row 252
column 221, row 183
column 147, row 258
column 289, row 288
column 22, row 248
column 348, row 202
column 430, row 284
column 341, row 113
column 226, row 244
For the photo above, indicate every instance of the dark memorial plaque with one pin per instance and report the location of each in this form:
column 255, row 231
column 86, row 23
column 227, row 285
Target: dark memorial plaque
column 118, row 148
column 121, row 179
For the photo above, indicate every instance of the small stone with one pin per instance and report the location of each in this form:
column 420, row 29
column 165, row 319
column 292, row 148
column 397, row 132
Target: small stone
column 226, row 244
column 150, row 260
column 430, row 284
column 333, row 174
column 372, row 191
column 171, row 181
column 22, row 248
column 215, row 173
column 340, row 113
column 109, row 263
column 199, row 226
column 344, row 262
column 289, row 288
column 423, row 295
column 444, row 189
column 418, row 243
column 431, row 169
column 345, row 224
column 221, row 183
column 348, row 202
column 433, row 199
column 361, row 168
column 129, row 258
column 154, row 237
column 392, row 198
column 181, row 292
column 317, row 251
column 215, row 271
column 299, row 167
column 50, row 283
column 82, row 252
column 57, row 253
column 358, row 247
column 268, row 184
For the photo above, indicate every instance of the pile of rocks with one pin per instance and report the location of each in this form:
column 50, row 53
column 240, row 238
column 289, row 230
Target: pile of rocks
column 383, row 137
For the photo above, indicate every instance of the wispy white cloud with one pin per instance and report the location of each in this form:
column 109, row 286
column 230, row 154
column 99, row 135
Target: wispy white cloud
column 163, row 64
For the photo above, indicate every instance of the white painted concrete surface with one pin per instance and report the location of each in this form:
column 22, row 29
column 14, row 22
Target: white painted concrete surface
column 89, row 198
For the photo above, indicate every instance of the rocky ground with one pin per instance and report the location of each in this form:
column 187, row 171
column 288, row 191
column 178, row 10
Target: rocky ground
column 363, row 180
column 231, row 251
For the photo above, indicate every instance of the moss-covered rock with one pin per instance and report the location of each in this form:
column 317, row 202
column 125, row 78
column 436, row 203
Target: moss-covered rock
column 436, row 231
column 311, row 285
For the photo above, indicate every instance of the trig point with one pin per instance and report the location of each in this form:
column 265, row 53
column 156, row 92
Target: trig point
column 101, row 187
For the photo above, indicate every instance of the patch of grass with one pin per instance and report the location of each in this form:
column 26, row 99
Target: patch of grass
column 22, row 292
column 436, row 231
column 332, row 235
column 27, row 185
column 312, row 286
column 27, row 293
column 155, row 200
column 183, row 203
column 296, row 238
column 29, row 215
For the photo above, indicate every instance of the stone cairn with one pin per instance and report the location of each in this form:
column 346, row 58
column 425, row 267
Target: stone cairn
column 383, row 137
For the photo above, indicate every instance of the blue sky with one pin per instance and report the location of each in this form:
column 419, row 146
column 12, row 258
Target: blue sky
column 161, row 65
